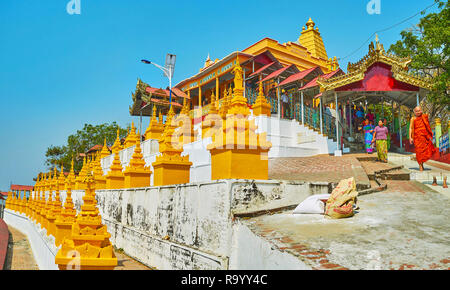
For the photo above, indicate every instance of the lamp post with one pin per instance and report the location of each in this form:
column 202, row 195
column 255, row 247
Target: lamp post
column 167, row 70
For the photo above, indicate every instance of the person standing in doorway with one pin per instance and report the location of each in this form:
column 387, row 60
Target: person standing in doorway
column 421, row 135
column 380, row 137
column 368, row 136
column 360, row 118
column 370, row 116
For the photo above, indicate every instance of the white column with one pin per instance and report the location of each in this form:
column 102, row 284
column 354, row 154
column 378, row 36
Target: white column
column 417, row 99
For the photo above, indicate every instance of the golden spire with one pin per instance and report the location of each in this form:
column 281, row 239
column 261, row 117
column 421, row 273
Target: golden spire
column 105, row 150
column 160, row 117
column 116, row 146
column 238, row 102
column 310, row 24
column 154, row 113
column 213, row 108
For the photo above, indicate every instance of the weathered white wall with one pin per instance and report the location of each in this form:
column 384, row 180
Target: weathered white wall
column 190, row 226
column 250, row 252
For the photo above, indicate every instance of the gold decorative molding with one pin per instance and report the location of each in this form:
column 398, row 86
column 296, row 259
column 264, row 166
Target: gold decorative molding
column 356, row 71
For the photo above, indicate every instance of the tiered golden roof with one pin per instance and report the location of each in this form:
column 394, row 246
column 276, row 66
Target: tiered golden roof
column 356, row 71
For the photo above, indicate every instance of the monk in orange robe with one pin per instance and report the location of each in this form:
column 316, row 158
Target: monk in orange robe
column 421, row 135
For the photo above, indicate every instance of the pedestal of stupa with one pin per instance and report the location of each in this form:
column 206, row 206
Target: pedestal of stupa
column 115, row 178
column 238, row 152
column 170, row 167
column 155, row 128
column 88, row 247
column 261, row 106
column 136, row 174
column 65, row 219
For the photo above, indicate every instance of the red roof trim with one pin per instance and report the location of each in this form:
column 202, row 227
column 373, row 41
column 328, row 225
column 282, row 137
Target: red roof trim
column 21, row 187
column 180, row 93
column 165, row 102
column 313, row 82
column 298, row 76
column 262, row 69
column 277, row 73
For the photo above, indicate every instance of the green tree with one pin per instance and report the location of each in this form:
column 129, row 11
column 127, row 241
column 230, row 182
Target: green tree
column 428, row 45
column 81, row 142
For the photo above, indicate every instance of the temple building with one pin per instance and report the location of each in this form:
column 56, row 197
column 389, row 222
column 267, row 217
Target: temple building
column 282, row 68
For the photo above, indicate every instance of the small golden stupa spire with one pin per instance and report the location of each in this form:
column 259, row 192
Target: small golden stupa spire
column 116, row 146
column 89, row 237
column 105, row 151
column 136, row 173
column 154, row 129
column 61, row 179
column 261, row 106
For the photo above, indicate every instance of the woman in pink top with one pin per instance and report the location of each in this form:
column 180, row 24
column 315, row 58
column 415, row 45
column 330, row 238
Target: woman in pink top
column 380, row 134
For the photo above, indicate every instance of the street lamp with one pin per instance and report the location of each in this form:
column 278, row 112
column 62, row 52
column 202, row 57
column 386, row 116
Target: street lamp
column 167, row 69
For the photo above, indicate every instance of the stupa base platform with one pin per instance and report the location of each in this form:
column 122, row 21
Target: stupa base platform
column 114, row 182
column 137, row 179
column 239, row 164
column 85, row 263
column 167, row 173
column 63, row 230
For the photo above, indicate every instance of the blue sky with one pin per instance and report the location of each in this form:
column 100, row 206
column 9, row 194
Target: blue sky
column 59, row 71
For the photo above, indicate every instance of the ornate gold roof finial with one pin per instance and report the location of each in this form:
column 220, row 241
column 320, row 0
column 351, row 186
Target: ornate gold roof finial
column 310, row 24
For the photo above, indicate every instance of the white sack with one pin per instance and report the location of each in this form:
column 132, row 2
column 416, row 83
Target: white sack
column 312, row 204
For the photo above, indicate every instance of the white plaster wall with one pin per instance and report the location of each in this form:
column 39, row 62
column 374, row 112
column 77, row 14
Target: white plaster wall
column 190, row 226
column 250, row 252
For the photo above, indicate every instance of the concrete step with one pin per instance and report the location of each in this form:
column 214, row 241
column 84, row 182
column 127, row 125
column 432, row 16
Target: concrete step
column 384, row 171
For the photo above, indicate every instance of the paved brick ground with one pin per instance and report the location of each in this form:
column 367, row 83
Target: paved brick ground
column 400, row 228
column 321, row 168
column 19, row 255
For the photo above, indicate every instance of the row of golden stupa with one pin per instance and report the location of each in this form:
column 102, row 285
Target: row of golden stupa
column 236, row 152
column 234, row 141
column 83, row 238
